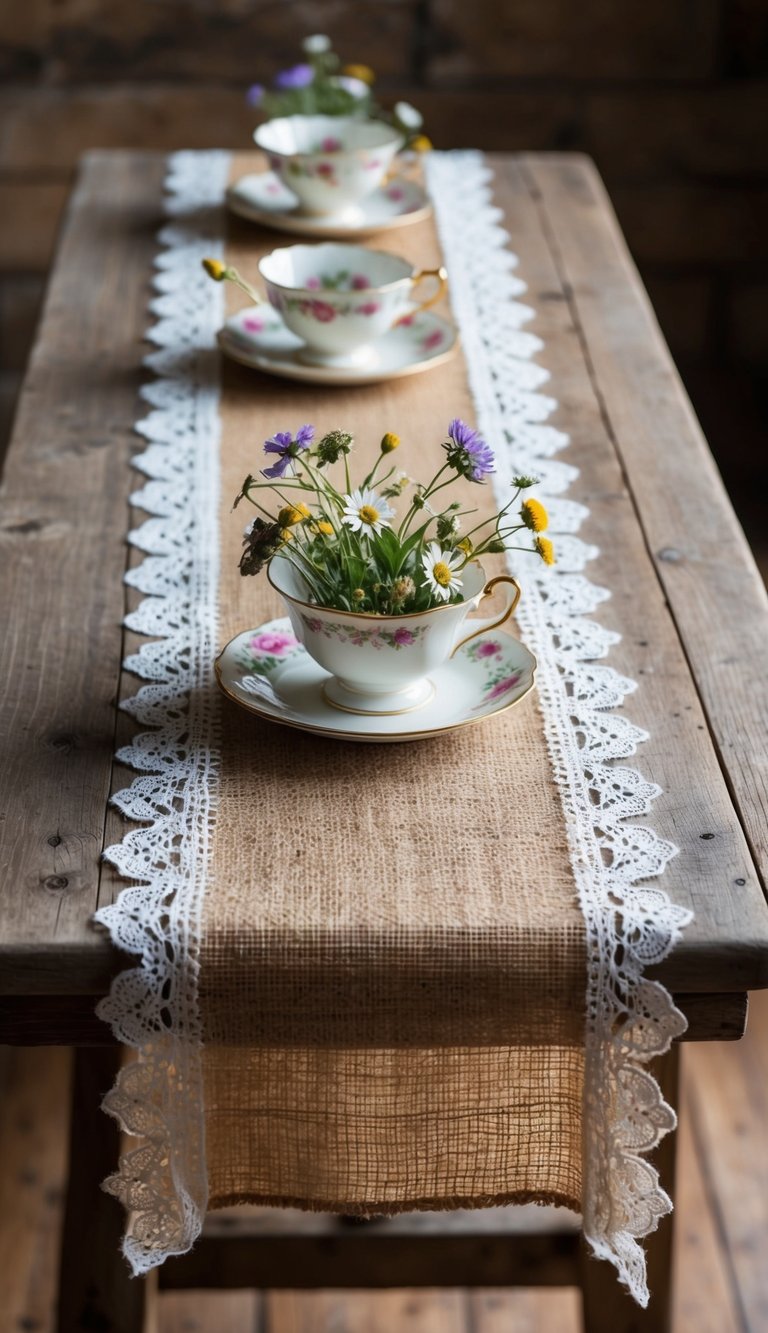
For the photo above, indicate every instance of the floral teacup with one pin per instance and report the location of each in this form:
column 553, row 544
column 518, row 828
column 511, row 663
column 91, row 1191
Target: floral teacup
column 340, row 299
column 329, row 162
column 381, row 664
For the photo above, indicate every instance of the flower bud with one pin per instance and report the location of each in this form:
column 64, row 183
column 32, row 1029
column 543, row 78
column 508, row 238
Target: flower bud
column 389, row 442
column 362, row 72
column 402, row 589
column 215, row 269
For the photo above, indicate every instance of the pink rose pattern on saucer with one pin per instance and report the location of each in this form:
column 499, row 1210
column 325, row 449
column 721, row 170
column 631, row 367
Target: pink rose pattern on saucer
column 490, row 653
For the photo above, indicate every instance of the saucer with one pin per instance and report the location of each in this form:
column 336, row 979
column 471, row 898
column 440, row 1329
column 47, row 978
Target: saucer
column 257, row 337
column 268, row 672
column 262, row 197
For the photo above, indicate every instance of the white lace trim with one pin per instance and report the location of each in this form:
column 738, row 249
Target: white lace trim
column 154, row 1006
column 630, row 925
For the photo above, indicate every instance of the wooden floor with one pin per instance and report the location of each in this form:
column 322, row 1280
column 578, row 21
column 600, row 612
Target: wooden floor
column 722, row 1216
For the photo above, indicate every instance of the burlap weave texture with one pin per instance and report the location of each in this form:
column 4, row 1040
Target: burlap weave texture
column 393, row 963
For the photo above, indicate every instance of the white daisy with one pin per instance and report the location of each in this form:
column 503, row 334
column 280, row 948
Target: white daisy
column 316, row 45
column 440, row 568
column 366, row 512
column 408, row 116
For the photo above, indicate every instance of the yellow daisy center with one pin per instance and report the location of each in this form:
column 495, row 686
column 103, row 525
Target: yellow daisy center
column 368, row 514
column 442, row 574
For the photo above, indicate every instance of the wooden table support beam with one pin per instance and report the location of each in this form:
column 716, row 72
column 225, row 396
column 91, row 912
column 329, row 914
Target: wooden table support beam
column 70, row 1020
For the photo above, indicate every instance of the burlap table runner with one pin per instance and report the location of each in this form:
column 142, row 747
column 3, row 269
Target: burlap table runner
column 388, row 982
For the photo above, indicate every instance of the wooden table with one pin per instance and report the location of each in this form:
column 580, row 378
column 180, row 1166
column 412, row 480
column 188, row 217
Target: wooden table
column 686, row 596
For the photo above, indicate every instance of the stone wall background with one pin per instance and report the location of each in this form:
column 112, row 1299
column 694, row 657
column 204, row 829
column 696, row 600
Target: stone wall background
column 669, row 96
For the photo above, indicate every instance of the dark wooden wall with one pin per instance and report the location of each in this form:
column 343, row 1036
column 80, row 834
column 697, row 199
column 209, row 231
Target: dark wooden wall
column 669, row 96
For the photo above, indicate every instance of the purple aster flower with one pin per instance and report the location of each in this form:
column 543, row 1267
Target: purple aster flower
column 254, row 94
column 298, row 76
column 468, row 452
column 283, row 444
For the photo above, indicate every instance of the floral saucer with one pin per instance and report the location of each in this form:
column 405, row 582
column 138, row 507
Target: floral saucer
column 257, row 337
column 268, row 672
column 262, row 197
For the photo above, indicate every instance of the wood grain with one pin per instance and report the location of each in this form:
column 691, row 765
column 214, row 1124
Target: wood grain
column 62, row 537
column 714, row 873
column 33, row 1166
column 716, row 598
column 63, row 531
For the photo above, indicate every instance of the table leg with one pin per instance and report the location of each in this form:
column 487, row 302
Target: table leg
column 95, row 1288
column 606, row 1305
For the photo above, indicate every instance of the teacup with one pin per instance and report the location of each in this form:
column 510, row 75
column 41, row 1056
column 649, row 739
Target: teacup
column 340, row 299
column 381, row 664
column 329, row 162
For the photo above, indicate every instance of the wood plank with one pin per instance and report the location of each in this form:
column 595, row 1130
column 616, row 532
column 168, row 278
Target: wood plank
column 211, row 1312
column 363, row 1312
column 726, row 947
column 715, row 594
column 64, row 504
column 728, row 1105
column 524, row 1312
column 703, row 1296
column 96, row 1288
column 381, row 1257
column 70, row 1020
column 33, row 1165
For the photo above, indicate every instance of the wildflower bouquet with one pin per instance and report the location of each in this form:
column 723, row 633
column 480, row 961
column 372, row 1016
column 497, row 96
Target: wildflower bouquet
column 348, row 544
column 320, row 85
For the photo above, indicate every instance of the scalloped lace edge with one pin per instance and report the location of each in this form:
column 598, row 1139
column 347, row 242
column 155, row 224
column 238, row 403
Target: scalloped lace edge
column 158, row 1098
column 629, row 924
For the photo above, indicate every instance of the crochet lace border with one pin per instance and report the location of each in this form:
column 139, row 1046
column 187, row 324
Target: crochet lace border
column 154, row 1007
column 630, row 925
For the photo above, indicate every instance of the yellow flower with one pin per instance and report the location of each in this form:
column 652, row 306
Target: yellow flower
column 215, row 269
column 286, row 534
column 325, row 528
column 358, row 595
column 545, row 549
column 389, row 443
column 534, row 515
column 291, row 514
column 420, row 144
column 466, row 546
column 362, row 72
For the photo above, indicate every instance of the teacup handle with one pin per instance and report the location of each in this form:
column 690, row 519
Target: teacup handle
column 441, row 277
column 513, row 592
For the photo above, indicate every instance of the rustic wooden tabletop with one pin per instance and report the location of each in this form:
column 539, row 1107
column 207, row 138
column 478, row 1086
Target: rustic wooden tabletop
column 687, row 597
